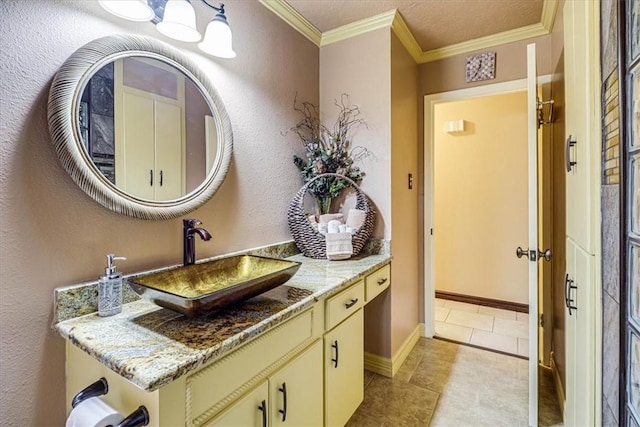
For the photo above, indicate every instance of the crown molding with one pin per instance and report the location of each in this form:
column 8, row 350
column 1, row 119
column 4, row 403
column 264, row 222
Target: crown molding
column 289, row 15
column 510, row 36
column 383, row 20
column 549, row 10
column 405, row 36
column 392, row 19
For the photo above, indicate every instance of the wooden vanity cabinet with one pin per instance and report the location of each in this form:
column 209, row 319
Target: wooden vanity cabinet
column 317, row 356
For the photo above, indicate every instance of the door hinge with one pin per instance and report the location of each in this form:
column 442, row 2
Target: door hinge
column 542, row 320
column 432, row 231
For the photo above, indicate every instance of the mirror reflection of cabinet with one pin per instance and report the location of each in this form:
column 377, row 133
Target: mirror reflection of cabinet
column 149, row 130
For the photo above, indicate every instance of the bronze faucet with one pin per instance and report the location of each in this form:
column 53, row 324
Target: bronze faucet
column 189, row 228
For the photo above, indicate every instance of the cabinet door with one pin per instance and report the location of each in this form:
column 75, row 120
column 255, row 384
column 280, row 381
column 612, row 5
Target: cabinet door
column 581, row 110
column 295, row 391
column 249, row 411
column 344, row 370
column 135, row 147
column 169, row 146
column 579, row 407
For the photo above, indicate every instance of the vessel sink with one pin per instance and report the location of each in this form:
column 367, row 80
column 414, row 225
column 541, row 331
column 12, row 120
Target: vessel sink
column 201, row 288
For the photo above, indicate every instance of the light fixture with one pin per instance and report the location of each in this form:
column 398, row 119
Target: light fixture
column 177, row 19
column 133, row 10
column 217, row 37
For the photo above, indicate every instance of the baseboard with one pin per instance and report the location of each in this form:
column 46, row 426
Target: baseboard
column 378, row 364
column 487, row 302
column 389, row 366
column 558, row 382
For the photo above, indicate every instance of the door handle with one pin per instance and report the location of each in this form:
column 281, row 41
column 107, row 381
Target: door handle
column 283, row 411
column 567, row 153
column 263, row 408
column 546, row 254
column 568, row 286
column 150, row 177
column 522, row 252
column 533, row 255
column 161, row 178
column 335, row 346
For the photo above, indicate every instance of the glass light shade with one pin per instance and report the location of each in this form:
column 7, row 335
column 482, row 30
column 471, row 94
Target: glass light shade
column 133, row 10
column 218, row 39
column 179, row 21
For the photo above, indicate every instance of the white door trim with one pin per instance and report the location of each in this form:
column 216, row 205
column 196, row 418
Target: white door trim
column 429, row 103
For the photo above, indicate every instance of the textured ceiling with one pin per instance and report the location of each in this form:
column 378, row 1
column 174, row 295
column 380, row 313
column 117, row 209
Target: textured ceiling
column 434, row 23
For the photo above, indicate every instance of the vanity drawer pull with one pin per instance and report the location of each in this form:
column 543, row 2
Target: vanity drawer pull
column 382, row 281
column 351, row 303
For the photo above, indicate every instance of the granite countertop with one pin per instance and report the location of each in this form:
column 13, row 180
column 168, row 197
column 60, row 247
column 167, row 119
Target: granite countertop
column 152, row 346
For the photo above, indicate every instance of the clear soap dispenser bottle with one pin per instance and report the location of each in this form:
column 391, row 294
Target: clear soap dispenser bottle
column 110, row 289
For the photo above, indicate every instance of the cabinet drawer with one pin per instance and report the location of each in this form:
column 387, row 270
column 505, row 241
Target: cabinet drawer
column 341, row 306
column 209, row 386
column 377, row 282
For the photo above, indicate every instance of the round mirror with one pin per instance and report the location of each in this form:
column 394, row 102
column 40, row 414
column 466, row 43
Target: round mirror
column 139, row 127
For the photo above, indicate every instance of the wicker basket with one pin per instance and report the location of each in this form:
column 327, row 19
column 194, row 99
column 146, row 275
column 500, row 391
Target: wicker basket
column 310, row 242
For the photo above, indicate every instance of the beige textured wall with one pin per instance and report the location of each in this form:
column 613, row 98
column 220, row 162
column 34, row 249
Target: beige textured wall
column 360, row 67
column 511, row 64
column 52, row 234
column 480, row 197
column 404, row 201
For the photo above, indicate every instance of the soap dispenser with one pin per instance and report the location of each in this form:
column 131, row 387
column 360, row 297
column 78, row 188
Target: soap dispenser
column 110, row 289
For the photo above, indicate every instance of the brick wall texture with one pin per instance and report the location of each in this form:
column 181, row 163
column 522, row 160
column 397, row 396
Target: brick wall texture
column 611, row 127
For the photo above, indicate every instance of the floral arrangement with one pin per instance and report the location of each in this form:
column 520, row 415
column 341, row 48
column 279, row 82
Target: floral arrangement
column 328, row 150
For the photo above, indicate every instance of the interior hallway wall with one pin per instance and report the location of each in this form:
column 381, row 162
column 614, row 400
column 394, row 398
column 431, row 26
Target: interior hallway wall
column 480, row 197
column 52, row 234
column 382, row 79
column 404, row 200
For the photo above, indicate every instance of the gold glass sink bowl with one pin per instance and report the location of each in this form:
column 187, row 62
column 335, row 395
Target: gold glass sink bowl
column 201, row 288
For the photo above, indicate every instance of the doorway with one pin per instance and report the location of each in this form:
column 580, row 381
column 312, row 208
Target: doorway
column 430, row 108
column 480, row 217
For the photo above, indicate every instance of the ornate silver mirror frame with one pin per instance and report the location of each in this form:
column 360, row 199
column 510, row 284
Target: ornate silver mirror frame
column 63, row 116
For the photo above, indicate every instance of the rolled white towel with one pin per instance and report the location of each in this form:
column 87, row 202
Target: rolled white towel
column 332, row 217
column 356, row 218
column 339, row 246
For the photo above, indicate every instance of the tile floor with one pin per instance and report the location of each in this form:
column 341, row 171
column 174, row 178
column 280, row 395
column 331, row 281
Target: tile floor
column 447, row 384
column 486, row 327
